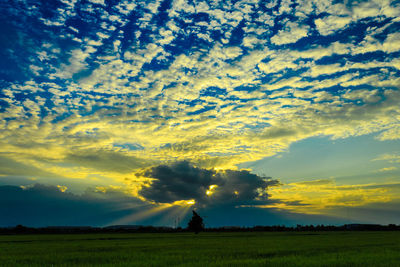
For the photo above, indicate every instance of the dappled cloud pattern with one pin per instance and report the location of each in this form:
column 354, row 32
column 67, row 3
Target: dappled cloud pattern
column 218, row 83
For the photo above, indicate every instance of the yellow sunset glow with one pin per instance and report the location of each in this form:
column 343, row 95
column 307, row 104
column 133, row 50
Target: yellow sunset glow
column 191, row 202
column 211, row 189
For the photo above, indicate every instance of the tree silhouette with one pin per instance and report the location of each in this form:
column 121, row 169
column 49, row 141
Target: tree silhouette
column 196, row 223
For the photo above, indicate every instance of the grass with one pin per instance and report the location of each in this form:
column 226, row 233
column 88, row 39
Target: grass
column 204, row 249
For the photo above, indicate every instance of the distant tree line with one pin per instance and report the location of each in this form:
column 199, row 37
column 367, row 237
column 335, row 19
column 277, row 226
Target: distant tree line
column 20, row 229
column 307, row 228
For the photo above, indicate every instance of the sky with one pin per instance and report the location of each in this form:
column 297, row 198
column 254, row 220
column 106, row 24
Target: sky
column 251, row 112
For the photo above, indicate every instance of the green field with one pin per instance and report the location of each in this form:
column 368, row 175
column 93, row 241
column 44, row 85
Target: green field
column 204, row 249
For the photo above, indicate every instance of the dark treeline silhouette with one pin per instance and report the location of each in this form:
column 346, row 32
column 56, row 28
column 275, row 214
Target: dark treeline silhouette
column 307, row 228
column 20, row 229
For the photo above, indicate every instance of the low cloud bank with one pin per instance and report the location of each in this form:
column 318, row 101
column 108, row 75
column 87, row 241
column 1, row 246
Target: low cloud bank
column 42, row 205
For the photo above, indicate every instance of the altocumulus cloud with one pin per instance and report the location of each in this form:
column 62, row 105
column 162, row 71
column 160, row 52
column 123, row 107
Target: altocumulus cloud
column 183, row 181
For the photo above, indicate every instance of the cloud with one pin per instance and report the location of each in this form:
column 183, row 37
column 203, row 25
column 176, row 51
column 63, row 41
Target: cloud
column 142, row 73
column 363, row 95
column 375, row 213
column 390, row 134
column 76, row 63
column 110, row 161
column 363, row 9
column 180, row 181
column 317, row 182
column 183, row 181
column 290, row 33
column 392, row 158
column 387, row 169
column 41, row 205
column 11, row 167
column 100, row 2
column 324, row 196
column 331, row 24
column 62, row 188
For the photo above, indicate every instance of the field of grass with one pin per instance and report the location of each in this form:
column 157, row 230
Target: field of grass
column 204, row 249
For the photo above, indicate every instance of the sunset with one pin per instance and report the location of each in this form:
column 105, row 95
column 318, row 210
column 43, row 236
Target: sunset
column 250, row 112
column 199, row 133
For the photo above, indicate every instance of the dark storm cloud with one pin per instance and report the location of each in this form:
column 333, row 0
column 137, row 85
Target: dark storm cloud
column 178, row 181
column 183, row 181
column 42, row 205
column 243, row 186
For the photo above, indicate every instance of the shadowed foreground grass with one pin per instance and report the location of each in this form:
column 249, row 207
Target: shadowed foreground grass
column 204, row 249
